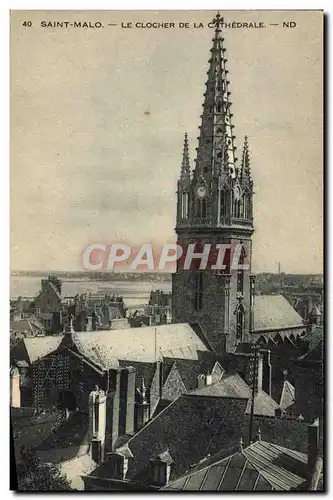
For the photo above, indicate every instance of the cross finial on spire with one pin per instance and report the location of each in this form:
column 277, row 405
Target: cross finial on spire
column 218, row 21
column 245, row 168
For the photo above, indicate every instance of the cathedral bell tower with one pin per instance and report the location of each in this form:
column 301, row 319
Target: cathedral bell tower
column 214, row 207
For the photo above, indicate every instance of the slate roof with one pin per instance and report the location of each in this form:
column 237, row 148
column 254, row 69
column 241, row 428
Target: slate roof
column 190, row 428
column 233, row 386
column 262, row 466
column 315, row 340
column 196, row 428
column 55, row 290
column 273, row 312
column 138, row 344
column 26, row 325
column 189, row 369
column 230, row 386
column 107, row 347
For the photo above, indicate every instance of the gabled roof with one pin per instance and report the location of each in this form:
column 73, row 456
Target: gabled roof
column 147, row 344
column 233, row 386
column 273, row 312
column 55, row 290
column 32, row 348
column 287, row 396
column 165, row 457
column 230, row 386
column 189, row 370
column 260, row 466
column 26, row 325
column 106, row 347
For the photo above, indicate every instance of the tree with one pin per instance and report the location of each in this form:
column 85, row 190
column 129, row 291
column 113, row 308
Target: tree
column 35, row 475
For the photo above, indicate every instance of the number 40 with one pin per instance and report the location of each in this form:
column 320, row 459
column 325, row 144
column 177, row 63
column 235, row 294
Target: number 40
column 27, row 24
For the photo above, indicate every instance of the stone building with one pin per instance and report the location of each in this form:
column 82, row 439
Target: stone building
column 215, row 207
column 202, row 428
column 132, row 366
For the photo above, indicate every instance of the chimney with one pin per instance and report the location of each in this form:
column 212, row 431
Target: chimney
column 126, row 401
column 201, row 380
column 68, row 332
column 240, row 444
column 254, row 370
column 97, row 423
column 266, row 371
column 278, row 412
column 112, row 409
column 15, row 390
column 142, row 407
column 313, row 445
column 204, row 379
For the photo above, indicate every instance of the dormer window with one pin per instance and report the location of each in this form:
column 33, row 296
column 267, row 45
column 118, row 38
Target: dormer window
column 118, row 462
column 161, row 468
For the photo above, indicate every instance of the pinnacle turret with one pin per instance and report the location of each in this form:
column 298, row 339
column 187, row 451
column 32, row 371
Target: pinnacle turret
column 245, row 171
column 216, row 129
column 185, row 173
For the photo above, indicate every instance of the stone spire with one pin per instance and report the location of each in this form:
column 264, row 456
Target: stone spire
column 245, row 166
column 216, row 127
column 185, row 173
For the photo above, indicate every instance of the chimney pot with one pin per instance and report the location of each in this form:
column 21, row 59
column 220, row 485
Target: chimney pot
column 313, row 445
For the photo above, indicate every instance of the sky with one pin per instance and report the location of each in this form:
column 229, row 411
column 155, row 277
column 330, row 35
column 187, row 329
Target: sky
column 98, row 117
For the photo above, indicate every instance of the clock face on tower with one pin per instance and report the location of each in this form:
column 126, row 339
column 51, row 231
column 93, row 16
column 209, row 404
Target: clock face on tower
column 201, row 191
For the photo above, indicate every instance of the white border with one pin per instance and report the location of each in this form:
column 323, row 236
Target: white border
column 4, row 184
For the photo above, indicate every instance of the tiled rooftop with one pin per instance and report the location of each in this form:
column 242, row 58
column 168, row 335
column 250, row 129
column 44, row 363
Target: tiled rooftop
column 260, row 466
column 274, row 311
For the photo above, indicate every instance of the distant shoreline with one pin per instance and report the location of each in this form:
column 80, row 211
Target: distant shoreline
column 98, row 276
